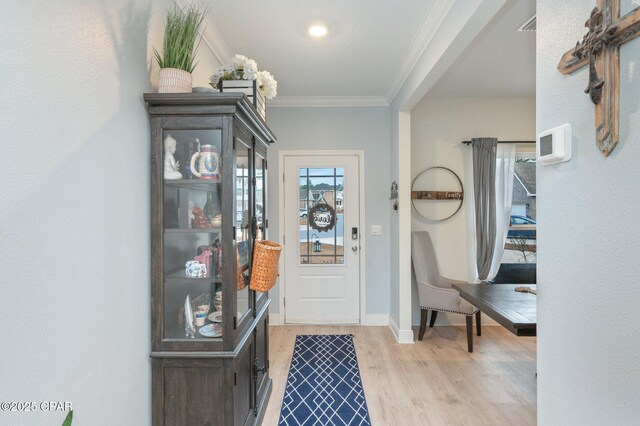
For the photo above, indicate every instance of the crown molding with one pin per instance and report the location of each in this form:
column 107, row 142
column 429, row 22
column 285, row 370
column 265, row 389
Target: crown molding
column 432, row 21
column 327, row 101
column 211, row 36
column 434, row 17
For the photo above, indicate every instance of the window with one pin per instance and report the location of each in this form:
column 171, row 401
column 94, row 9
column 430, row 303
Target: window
column 321, row 187
column 521, row 238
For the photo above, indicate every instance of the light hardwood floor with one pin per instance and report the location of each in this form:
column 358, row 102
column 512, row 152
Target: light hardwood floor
column 433, row 382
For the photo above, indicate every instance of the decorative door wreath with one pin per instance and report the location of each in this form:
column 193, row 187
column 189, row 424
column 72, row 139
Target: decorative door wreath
column 322, row 217
column 436, row 195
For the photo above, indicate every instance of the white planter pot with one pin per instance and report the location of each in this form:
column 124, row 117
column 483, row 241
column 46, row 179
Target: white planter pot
column 173, row 80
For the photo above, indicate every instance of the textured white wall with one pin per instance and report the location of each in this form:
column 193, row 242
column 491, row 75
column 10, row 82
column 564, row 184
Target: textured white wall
column 438, row 126
column 365, row 128
column 74, row 238
column 588, row 239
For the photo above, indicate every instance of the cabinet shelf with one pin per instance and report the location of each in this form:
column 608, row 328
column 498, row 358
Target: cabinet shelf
column 179, row 336
column 179, row 274
column 176, row 334
column 199, row 184
column 193, row 231
column 185, row 280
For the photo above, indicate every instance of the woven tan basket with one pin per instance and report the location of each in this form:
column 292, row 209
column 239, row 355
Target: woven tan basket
column 264, row 270
column 240, row 278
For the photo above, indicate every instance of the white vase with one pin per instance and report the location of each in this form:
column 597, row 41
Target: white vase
column 173, row 80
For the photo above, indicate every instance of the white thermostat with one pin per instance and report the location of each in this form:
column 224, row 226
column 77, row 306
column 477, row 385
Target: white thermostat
column 554, row 145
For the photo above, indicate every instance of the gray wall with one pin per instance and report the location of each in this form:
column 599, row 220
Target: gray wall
column 362, row 128
column 74, row 286
column 588, row 239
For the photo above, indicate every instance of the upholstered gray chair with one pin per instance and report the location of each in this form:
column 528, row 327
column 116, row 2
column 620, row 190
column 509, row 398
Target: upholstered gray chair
column 434, row 291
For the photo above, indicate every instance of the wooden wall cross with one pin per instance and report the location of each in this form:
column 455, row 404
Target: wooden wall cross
column 600, row 48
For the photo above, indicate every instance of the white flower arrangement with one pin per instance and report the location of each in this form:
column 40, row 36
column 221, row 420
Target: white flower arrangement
column 243, row 68
column 267, row 84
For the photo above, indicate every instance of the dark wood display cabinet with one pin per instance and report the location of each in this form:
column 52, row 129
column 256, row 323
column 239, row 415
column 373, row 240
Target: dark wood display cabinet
column 210, row 343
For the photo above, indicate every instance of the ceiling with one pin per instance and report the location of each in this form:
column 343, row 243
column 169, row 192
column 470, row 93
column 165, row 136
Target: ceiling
column 499, row 63
column 371, row 48
column 363, row 55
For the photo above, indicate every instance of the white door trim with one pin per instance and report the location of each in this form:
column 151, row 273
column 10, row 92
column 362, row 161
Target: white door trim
column 281, row 227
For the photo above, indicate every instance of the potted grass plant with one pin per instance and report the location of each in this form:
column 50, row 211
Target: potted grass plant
column 181, row 29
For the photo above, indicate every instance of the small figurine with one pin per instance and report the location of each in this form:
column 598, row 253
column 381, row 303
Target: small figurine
column 216, row 222
column 205, row 259
column 198, row 221
column 171, row 166
column 195, row 269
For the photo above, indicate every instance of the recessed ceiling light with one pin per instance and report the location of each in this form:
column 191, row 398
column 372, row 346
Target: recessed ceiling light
column 318, row 30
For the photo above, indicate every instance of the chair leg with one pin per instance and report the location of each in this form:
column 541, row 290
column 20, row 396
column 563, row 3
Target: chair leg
column 478, row 324
column 434, row 314
column 469, row 332
column 423, row 322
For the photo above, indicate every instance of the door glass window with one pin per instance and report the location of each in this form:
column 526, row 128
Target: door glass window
column 321, row 215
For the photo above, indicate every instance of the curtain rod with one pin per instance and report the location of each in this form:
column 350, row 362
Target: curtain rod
column 469, row 142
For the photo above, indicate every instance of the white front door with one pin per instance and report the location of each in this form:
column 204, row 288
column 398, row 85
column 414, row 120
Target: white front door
column 322, row 239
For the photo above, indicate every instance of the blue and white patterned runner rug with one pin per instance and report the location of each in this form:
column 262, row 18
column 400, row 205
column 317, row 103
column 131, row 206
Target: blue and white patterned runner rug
column 324, row 386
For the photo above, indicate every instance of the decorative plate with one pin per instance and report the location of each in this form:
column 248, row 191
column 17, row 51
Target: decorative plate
column 215, row 316
column 211, row 330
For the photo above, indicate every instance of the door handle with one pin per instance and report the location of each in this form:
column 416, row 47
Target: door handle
column 354, row 248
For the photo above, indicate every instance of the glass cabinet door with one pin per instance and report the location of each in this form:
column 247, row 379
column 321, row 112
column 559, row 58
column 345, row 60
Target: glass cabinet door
column 260, row 192
column 242, row 225
column 260, row 196
column 192, row 233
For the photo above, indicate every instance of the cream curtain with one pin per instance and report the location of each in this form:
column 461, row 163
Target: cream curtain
column 505, row 168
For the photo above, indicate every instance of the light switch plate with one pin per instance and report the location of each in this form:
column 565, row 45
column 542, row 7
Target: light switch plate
column 376, row 229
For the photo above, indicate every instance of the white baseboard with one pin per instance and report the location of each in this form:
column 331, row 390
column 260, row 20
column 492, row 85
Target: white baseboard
column 370, row 319
column 402, row 336
column 274, row 319
column 376, row 319
column 406, row 337
column 394, row 328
